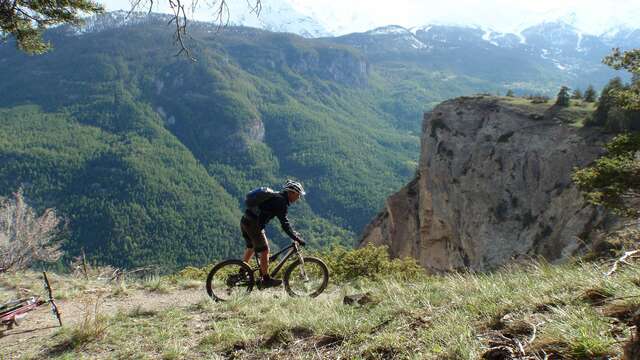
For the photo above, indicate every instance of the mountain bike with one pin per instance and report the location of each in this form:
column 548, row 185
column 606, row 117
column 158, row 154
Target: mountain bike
column 13, row 311
column 305, row 276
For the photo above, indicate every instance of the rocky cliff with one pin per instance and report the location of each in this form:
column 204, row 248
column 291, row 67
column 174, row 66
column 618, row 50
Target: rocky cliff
column 493, row 184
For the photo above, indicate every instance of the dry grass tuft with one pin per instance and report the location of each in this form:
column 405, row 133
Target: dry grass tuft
column 597, row 296
column 622, row 310
column 92, row 327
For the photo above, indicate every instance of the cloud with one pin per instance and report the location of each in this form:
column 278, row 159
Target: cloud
column 341, row 16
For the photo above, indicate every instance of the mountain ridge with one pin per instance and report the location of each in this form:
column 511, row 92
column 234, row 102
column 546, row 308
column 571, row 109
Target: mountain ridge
column 576, row 56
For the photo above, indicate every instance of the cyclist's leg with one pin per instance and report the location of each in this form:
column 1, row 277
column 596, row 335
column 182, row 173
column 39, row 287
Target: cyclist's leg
column 248, row 252
column 261, row 246
column 256, row 242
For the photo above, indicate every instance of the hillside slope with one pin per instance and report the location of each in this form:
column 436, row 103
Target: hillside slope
column 527, row 312
column 170, row 146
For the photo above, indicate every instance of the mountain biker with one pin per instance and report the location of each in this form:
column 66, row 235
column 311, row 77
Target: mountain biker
column 255, row 219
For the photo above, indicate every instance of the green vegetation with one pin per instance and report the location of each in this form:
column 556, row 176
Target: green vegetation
column 612, row 181
column 133, row 199
column 611, row 114
column 629, row 97
column 577, row 94
column 25, row 20
column 346, row 264
column 149, row 155
column 563, row 98
column 590, row 95
column 565, row 311
column 576, row 114
column 368, row 262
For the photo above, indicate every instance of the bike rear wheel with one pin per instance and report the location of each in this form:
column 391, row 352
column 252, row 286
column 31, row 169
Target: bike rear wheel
column 230, row 279
column 309, row 280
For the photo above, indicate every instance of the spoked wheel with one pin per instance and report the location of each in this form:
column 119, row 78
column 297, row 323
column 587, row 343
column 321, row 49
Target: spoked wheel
column 309, row 279
column 230, row 279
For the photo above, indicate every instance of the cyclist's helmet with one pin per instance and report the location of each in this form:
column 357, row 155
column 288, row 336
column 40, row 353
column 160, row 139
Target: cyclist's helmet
column 294, row 186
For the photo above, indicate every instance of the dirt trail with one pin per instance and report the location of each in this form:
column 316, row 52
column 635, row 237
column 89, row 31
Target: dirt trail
column 41, row 323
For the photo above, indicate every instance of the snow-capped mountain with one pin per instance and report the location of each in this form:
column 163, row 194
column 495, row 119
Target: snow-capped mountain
column 556, row 47
column 276, row 16
column 551, row 47
column 116, row 19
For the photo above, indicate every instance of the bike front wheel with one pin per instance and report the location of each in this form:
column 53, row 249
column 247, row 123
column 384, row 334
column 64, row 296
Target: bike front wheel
column 308, row 278
column 230, row 279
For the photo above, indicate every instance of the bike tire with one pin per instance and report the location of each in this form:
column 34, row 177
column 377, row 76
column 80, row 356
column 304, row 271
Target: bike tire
column 322, row 267
column 213, row 290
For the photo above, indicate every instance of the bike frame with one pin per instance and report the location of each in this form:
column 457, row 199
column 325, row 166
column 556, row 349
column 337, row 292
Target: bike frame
column 290, row 250
column 22, row 307
column 8, row 316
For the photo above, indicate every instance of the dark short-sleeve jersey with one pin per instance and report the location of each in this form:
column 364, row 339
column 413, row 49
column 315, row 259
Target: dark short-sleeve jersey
column 277, row 206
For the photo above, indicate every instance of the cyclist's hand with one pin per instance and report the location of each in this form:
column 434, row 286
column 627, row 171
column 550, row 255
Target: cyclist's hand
column 301, row 241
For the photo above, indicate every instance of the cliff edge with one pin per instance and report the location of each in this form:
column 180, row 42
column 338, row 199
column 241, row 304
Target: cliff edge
column 493, row 185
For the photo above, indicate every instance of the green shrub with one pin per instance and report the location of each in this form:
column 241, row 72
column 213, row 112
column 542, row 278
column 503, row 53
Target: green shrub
column 191, row 273
column 368, row 262
column 345, row 264
column 612, row 180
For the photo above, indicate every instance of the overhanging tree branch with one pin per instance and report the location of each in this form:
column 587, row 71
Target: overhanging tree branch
column 26, row 20
column 179, row 17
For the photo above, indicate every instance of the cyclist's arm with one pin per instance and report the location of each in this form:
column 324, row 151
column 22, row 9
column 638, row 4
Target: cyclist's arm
column 286, row 226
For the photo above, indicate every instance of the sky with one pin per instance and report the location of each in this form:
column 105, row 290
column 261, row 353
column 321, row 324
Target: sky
column 344, row 16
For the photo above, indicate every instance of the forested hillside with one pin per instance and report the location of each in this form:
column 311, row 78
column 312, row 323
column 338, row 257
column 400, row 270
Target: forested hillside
column 149, row 154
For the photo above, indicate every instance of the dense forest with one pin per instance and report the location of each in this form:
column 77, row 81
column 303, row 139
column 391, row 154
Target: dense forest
column 150, row 155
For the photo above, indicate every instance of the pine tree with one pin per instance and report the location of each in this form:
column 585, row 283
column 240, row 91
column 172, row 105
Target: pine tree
column 510, row 93
column 606, row 101
column 563, row 97
column 577, row 94
column 628, row 98
column 26, row 20
column 590, row 94
column 612, row 180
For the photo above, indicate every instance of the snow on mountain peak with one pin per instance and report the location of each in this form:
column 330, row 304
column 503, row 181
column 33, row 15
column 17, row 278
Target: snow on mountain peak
column 390, row 29
column 277, row 16
column 115, row 19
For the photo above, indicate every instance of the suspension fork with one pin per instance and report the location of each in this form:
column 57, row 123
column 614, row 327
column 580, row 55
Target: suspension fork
column 301, row 258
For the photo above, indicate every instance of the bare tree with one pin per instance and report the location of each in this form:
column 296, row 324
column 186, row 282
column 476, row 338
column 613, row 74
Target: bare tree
column 26, row 20
column 179, row 17
column 26, row 237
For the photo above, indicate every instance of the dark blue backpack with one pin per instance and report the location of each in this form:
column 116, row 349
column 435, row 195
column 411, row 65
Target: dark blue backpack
column 258, row 196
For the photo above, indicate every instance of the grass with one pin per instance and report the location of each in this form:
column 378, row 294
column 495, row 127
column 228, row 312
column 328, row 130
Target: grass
column 92, row 327
column 28, row 283
column 157, row 284
column 574, row 310
column 573, row 115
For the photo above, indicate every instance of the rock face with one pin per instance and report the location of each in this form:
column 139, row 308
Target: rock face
column 493, row 184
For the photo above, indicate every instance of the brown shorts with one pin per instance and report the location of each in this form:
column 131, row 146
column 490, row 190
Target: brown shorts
column 254, row 237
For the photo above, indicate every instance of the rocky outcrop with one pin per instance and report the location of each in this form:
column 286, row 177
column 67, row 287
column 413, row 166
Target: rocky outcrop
column 493, row 184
